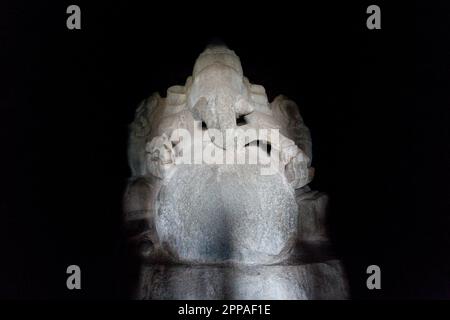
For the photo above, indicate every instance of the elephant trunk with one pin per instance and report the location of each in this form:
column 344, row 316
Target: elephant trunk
column 217, row 113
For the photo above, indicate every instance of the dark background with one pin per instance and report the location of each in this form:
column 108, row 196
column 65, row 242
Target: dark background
column 376, row 102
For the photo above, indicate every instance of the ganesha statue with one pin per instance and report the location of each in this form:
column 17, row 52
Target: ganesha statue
column 218, row 205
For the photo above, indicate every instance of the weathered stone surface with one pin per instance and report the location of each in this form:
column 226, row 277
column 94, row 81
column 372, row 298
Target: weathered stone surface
column 212, row 230
column 312, row 209
column 232, row 214
column 324, row 280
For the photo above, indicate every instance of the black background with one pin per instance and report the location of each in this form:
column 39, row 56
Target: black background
column 375, row 101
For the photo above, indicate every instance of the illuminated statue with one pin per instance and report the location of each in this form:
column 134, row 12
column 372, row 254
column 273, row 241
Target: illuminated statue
column 219, row 204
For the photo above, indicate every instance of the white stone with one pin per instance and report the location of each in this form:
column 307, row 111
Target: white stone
column 211, row 231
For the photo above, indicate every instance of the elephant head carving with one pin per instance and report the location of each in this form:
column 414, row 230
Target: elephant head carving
column 219, row 92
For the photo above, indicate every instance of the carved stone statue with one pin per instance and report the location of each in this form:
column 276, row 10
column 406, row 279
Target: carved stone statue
column 218, row 204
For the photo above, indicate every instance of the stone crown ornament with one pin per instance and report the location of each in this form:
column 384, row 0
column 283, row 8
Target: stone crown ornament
column 218, row 205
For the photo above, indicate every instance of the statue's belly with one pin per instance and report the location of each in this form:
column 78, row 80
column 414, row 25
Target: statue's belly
column 213, row 214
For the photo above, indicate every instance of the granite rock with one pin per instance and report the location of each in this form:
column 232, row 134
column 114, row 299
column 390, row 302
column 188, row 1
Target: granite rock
column 214, row 230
